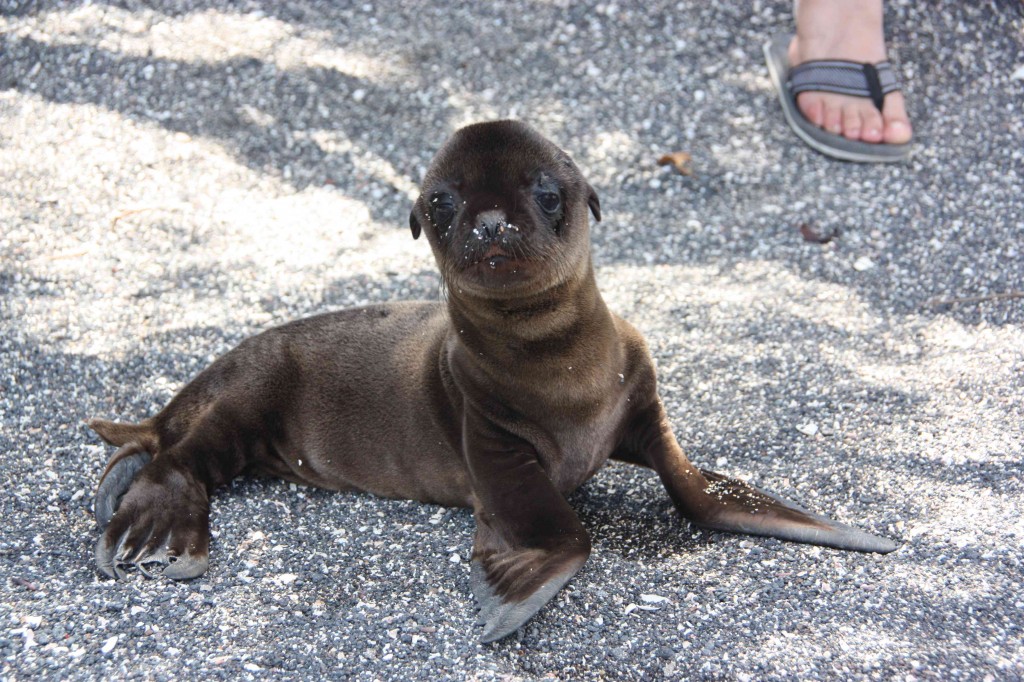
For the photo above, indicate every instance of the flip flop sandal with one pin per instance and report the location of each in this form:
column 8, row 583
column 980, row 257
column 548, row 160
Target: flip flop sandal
column 873, row 81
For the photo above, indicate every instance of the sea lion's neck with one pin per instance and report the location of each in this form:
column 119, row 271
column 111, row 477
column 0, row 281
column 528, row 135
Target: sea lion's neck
column 554, row 315
column 545, row 354
column 567, row 326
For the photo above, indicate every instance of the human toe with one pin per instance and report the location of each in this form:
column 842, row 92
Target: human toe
column 851, row 123
column 832, row 119
column 812, row 107
column 897, row 128
column 872, row 125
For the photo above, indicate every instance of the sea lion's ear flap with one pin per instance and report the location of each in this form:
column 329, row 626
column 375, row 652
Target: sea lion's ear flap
column 414, row 224
column 594, row 203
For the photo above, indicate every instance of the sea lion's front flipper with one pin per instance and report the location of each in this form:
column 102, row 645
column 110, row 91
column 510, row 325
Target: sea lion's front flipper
column 742, row 508
column 529, row 542
column 714, row 501
column 510, row 586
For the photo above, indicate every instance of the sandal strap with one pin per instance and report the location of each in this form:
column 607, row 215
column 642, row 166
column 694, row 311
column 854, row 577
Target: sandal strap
column 874, row 81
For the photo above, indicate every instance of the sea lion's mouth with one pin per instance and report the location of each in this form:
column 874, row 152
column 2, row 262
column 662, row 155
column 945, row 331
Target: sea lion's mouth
column 494, row 256
column 499, row 266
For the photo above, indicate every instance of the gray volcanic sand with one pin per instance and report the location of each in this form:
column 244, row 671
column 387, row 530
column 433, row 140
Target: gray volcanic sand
column 176, row 176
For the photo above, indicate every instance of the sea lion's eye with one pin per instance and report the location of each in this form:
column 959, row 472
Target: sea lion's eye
column 549, row 201
column 442, row 208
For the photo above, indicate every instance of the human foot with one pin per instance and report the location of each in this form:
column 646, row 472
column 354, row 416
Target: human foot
column 850, row 31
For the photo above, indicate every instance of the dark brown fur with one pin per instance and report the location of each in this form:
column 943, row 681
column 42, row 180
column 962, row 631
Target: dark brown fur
column 504, row 399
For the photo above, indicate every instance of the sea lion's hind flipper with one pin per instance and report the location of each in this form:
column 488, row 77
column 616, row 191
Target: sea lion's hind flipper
column 161, row 523
column 511, row 586
column 121, row 433
column 122, row 469
column 738, row 507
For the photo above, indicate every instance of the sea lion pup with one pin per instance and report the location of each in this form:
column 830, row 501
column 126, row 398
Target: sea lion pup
column 504, row 398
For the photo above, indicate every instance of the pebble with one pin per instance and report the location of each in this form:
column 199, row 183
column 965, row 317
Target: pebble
column 109, row 644
column 863, row 263
column 807, row 428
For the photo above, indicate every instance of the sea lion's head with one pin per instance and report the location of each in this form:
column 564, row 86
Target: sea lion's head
column 505, row 211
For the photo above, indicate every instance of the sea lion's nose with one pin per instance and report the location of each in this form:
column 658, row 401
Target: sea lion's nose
column 494, row 226
column 491, row 224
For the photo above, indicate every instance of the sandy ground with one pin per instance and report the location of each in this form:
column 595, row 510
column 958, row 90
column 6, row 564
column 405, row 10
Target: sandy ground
column 175, row 176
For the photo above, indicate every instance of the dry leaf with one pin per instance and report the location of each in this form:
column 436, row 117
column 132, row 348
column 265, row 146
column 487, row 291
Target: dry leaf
column 679, row 160
column 811, row 235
